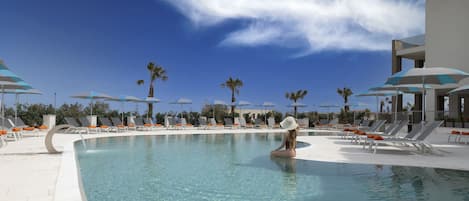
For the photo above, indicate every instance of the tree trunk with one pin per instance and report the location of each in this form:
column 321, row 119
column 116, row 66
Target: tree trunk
column 151, row 94
column 295, row 109
column 232, row 104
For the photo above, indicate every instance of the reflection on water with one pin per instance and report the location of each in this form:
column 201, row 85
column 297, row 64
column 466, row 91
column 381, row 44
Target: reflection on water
column 239, row 167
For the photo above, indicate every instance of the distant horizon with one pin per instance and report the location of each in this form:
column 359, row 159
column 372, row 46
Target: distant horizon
column 72, row 47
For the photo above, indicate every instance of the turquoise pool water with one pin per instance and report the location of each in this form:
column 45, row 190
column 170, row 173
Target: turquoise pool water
column 238, row 167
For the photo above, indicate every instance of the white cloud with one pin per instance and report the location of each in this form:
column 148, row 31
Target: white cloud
column 312, row 25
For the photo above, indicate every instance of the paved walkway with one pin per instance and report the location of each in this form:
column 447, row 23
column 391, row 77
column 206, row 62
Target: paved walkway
column 28, row 173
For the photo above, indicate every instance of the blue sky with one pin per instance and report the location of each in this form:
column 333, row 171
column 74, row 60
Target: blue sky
column 67, row 47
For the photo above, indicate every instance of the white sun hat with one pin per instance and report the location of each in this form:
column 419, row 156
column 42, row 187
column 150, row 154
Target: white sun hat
column 289, row 123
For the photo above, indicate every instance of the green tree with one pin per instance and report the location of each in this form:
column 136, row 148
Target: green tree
column 295, row 96
column 233, row 85
column 156, row 72
column 345, row 93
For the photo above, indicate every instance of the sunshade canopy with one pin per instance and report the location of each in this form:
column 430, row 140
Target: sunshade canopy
column 182, row 101
column 268, row 104
column 244, row 103
column 433, row 75
column 460, row 90
column 407, row 88
column 92, row 95
column 5, row 85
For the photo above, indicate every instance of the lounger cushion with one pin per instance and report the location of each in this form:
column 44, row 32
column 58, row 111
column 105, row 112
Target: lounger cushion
column 455, row 132
column 104, row 126
column 28, row 128
column 3, row 132
column 377, row 137
column 147, row 125
column 16, row 129
column 43, row 127
column 91, row 126
column 464, row 133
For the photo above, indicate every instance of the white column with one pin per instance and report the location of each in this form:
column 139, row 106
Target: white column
column 93, row 119
column 49, row 120
column 430, row 105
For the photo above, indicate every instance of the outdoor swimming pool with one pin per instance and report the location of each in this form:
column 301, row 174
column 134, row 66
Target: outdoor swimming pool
column 238, row 167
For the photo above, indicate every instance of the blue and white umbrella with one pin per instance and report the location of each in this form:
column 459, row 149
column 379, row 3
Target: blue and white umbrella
column 217, row 102
column 242, row 104
column 431, row 76
column 122, row 100
column 182, row 102
column 17, row 92
column 405, row 88
column 377, row 94
column 266, row 105
column 92, row 95
column 460, row 90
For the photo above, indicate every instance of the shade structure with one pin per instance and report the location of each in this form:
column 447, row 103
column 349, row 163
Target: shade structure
column 182, row 102
column 378, row 94
column 217, row 102
column 123, row 99
column 328, row 107
column 266, row 105
column 18, row 92
column 241, row 104
column 149, row 100
column 297, row 105
column 92, row 95
column 9, row 83
column 432, row 76
column 460, row 90
column 405, row 88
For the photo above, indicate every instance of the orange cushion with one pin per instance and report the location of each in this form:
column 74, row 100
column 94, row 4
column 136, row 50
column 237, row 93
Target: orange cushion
column 28, row 128
column 43, row 127
column 131, row 125
column 158, row 125
column 455, row 132
column 464, row 133
column 104, row 126
column 147, row 125
column 120, row 126
column 3, row 132
column 371, row 136
column 16, row 129
column 360, row 133
column 91, row 126
column 377, row 137
column 188, row 124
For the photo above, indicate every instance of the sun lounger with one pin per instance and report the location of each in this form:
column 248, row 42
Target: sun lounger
column 243, row 124
column 118, row 124
column 106, row 125
column 271, row 123
column 8, row 129
column 303, row 123
column 417, row 139
column 76, row 127
column 86, row 124
column 228, row 123
column 391, row 131
column 140, row 125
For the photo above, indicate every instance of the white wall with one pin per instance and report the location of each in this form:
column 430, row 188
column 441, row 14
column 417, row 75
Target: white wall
column 446, row 38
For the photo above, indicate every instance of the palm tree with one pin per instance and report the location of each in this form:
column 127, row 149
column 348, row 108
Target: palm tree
column 156, row 72
column 233, row 85
column 345, row 93
column 295, row 96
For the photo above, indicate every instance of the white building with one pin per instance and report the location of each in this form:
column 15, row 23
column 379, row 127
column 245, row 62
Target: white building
column 444, row 44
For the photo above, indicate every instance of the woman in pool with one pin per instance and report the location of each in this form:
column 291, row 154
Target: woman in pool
column 289, row 140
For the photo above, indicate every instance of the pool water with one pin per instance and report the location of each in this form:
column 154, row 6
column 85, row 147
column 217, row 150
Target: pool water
column 239, row 167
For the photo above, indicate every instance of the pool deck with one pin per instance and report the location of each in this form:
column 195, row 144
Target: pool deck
column 28, row 172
